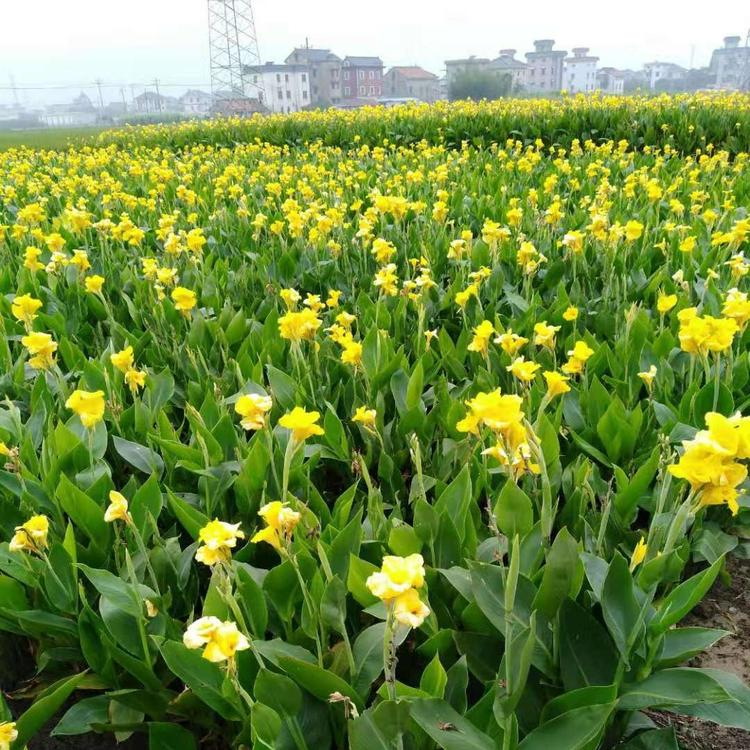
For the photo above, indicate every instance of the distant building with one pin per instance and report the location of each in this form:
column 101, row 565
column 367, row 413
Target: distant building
column 325, row 74
column 545, row 67
column 656, row 72
column 284, row 88
column 579, row 72
column 236, row 104
column 453, row 68
column 411, row 82
column 610, row 81
column 196, row 102
column 361, row 77
column 78, row 113
column 150, row 102
column 507, row 63
column 730, row 65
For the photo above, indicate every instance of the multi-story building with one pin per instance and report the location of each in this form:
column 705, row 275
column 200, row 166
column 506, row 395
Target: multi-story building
column 657, row 72
column 361, row 77
column 545, row 67
column 281, row 87
column 325, row 74
column 516, row 69
column 610, row 81
column 453, row 68
column 579, row 72
column 411, row 82
column 730, row 65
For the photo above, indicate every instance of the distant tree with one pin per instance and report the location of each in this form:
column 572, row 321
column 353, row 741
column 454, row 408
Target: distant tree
column 479, row 84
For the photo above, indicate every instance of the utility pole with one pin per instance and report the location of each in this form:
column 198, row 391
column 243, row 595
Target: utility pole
column 124, row 103
column 14, row 88
column 159, row 107
column 98, row 83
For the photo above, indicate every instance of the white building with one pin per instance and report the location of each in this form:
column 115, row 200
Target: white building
column 283, row 88
column 610, row 81
column 544, row 72
column 731, row 64
column 662, row 71
column 579, row 72
column 196, row 102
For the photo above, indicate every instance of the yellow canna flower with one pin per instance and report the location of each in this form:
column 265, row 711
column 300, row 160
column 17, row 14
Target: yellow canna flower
column 639, row 554
column 280, row 524
column 8, row 734
column 94, row 284
column 218, row 539
column 544, row 335
column 570, row 314
column 184, row 299
column 510, row 342
column 135, row 379
column 123, row 360
column 117, row 509
column 333, row 299
column 89, row 406
column 522, row 369
column 409, row 609
column 222, row 640
column 31, row 536
column 42, row 348
column 253, row 407
column 482, row 335
column 396, row 576
column 665, row 303
column 648, row 376
column 303, row 424
column 31, row 259
column 366, row 417
column 352, row 353
column 557, row 384
column 297, row 326
column 25, row 308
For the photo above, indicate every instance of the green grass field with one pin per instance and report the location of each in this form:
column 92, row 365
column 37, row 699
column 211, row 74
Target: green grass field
column 51, row 138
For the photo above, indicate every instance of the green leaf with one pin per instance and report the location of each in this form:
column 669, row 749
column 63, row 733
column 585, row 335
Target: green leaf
column 85, row 514
column 514, row 511
column 191, row 518
column 587, row 654
column 368, row 657
column 47, row 704
column 318, row 681
column 559, row 574
column 673, row 687
column 359, row 571
column 573, row 730
column 266, row 727
column 147, row 500
column 164, row 736
column 654, row 739
column 139, row 456
column 253, row 602
column 681, row 644
column 684, row 597
column 278, row 692
column 205, row 679
column 434, row 678
column 620, row 607
column 415, row 387
column 80, row 717
column 448, row 728
column 379, row 728
column 122, row 595
column 626, row 499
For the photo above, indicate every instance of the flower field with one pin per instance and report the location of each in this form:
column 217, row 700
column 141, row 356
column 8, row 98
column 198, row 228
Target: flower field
column 406, row 429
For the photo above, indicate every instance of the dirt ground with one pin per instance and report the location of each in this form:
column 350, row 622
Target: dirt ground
column 727, row 607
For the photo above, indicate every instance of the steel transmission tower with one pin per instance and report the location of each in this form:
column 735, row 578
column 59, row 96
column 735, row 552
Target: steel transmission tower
column 233, row 45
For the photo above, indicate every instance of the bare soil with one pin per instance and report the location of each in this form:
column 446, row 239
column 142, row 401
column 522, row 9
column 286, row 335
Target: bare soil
column 727, row 607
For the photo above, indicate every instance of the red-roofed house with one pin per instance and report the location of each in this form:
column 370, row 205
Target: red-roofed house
column 411, row 81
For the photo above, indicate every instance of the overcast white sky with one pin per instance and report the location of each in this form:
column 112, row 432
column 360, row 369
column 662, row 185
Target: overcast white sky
column 56, row 42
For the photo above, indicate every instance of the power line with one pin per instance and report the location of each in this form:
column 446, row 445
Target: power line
column 102, row 84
